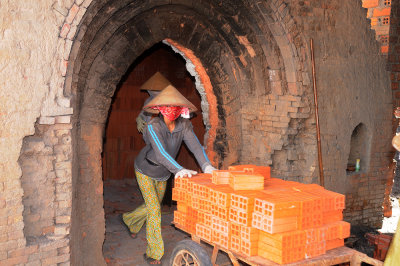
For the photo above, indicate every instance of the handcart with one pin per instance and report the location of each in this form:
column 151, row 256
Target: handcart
column 191, row 252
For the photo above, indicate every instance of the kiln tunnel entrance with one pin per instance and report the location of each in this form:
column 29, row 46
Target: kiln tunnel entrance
column 123, row 142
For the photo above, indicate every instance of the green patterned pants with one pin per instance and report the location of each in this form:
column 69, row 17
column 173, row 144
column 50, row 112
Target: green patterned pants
column 149, row 212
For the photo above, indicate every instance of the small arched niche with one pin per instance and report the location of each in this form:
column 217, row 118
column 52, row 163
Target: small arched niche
column 359, row 144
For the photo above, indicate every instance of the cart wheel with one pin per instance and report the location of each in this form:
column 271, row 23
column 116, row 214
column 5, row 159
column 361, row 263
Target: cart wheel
column 188, row 252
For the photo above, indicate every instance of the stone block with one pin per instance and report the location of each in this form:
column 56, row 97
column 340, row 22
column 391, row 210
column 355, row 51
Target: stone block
column 274, row 75
column 61, row 132
column 63, row 219
column 56, row 259
column 64, row 30
column 80, row 14
column 86, row 3
column 66, row 119
column 63, row 175
column 35, row 262
column 57, row 127
column 3, row 255
column 277, row 88
column 15, row 261
column 294, row 88
column 63, row 196
column 72, row 13
column 61, row 229
column 64, row 204
column 48, row 230
column 72, row 32
column 9, row 245
column 63, row 250
column 63, row 165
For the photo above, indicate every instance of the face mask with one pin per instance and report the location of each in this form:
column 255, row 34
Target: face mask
column 170, row 112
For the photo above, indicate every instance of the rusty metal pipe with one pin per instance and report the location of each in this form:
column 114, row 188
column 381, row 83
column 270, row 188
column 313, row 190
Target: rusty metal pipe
column 321, row 169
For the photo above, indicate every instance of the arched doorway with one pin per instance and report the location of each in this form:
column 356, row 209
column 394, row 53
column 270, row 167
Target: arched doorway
column 122, row 143
column 230, row 76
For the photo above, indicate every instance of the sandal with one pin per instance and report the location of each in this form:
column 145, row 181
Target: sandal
column 133, row 235
column 151, row 261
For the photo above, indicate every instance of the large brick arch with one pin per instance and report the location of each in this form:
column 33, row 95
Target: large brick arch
column 239, row 55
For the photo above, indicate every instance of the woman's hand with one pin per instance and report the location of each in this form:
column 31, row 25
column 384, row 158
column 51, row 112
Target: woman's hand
column 185, row 172
column 209, row 169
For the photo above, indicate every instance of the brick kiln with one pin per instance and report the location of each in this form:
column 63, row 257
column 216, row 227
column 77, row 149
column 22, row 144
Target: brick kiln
column 250, row 64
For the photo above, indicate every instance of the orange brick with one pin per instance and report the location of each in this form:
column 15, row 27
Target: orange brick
column 220, row 225
column 220, row 195
column 204, row 205
column 332, row 216
column 180, row 219
column 249, row 234
column 204, row 218
column 344, row 229
column 334, row 243
column 380, row 12
column 240, row 167
column 179, row 195
column 220, row 212
column 181, row 183
column 277, row 206
column 240, row 216
column 272, row 226
column 220, row 177
column 235, row 230
column 182, row 207
column 370, row 3
column 244, row 200
column 330, row 200
column 198, row 179
column 203, row 232
column 202, row 190
column 235, row 243
column 315, row 249
column 281, row 256
column 287, row 240
column 249, row 248
column 336, row 230
column 246, row 181
column 220, row 239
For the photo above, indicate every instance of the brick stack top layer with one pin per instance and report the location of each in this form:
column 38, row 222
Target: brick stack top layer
column 284, row 221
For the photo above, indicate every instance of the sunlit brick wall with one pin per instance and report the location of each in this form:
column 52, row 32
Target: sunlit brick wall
column 379, row 14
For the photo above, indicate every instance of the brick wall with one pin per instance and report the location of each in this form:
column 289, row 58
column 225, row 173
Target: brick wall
column 349, row 75
column 379, row 14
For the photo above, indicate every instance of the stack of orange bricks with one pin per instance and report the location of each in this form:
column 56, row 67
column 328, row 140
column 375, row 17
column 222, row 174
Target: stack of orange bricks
column 246, row 211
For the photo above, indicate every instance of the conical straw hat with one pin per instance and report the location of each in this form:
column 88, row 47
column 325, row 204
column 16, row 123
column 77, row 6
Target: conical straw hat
column 157, row 82
column 169, row 96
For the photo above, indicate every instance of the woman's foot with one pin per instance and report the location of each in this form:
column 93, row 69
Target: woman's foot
column 151, row 261
column 133, row 235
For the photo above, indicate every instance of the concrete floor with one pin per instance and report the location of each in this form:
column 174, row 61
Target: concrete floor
column 119, row 248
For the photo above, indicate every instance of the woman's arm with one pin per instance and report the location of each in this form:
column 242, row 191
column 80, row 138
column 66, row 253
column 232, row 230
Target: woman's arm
column 195, row 147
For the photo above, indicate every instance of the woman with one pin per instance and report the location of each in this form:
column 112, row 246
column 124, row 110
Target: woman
column 156, row 161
